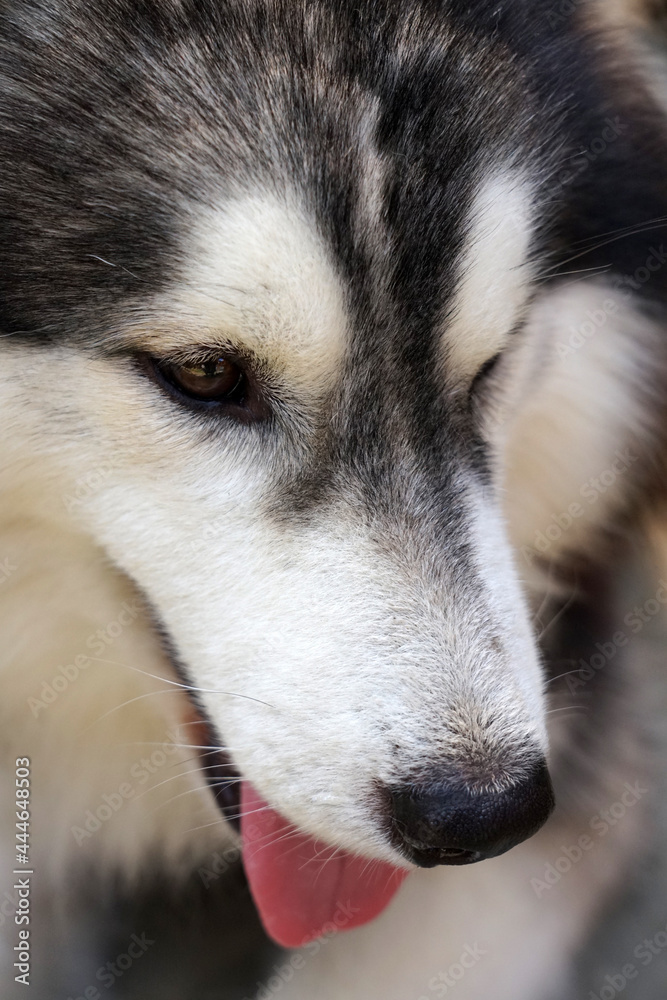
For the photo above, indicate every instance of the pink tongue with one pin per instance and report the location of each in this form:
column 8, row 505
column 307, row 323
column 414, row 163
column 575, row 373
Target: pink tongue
column 302, row 888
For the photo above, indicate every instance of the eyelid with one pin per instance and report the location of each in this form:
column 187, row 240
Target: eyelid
column 199, row 357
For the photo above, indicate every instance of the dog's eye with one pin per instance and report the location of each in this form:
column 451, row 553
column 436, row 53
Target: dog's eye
column 214, row 383
column 214, row 380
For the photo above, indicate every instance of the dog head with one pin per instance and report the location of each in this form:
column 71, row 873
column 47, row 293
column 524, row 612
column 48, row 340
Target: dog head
column 267, row 257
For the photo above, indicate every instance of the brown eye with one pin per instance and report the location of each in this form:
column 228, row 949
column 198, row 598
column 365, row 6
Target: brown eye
column 215, row 380
column 211, row 383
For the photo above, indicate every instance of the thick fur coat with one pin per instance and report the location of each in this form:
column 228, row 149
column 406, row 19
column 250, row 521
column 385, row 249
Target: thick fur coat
column 429, row 235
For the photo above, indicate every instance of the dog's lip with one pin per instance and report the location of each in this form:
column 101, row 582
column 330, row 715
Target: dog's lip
column 225, row 782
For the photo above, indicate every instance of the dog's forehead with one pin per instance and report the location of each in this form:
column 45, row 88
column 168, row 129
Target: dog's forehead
column 379, row 123
column 258, row 275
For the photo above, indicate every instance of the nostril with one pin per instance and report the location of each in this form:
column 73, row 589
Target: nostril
column 452, row 823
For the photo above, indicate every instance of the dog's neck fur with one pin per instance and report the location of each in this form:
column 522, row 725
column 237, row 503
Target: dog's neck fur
column 80, row 658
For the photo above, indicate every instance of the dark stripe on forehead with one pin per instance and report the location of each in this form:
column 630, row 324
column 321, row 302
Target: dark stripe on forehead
column 120, row 119
column 117, row 118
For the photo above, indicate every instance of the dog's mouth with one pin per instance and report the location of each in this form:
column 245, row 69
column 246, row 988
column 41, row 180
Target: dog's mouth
column 305, row 889
column 302, row 888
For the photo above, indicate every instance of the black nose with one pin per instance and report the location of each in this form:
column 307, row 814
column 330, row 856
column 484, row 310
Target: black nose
column 455, row 824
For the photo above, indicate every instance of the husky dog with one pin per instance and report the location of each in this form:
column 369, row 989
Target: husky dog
column 334, row 372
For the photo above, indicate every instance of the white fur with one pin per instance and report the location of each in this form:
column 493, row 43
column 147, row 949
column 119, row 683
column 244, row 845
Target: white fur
column 494, row 273
column 94, row 728
column 580, row 408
